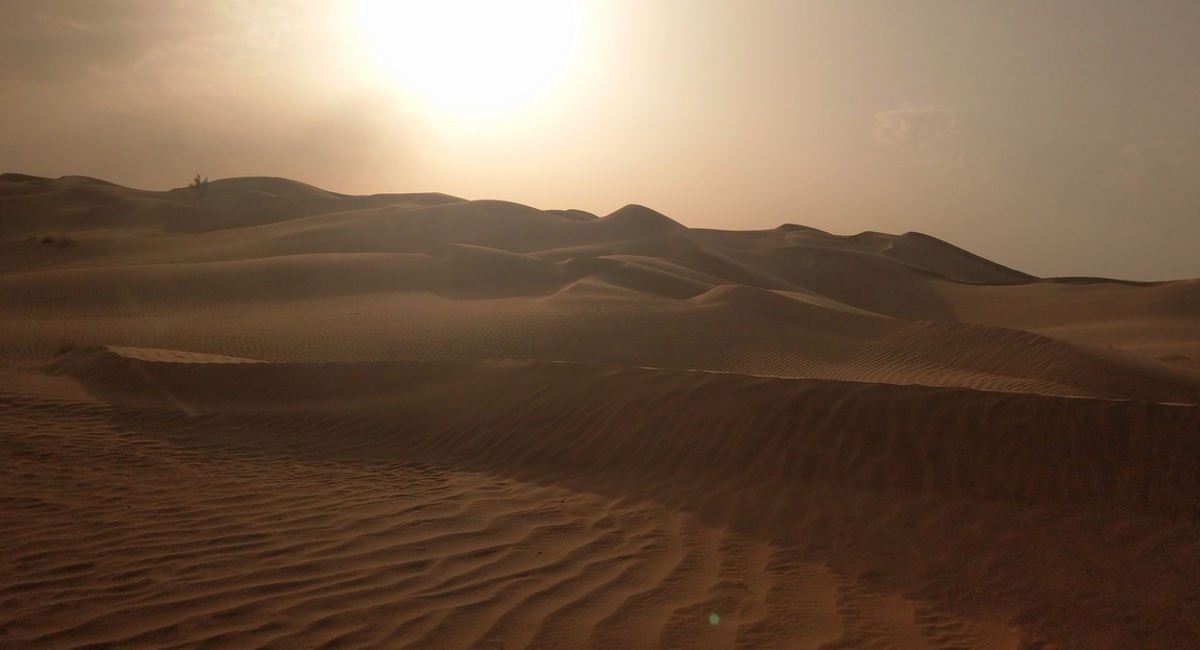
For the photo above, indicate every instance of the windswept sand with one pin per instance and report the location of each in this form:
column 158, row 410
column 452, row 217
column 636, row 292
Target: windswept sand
column 260, row 414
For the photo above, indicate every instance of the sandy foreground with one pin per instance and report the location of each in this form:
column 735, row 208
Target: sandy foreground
column 257, row 414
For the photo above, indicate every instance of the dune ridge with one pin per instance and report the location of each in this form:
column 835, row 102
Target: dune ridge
column 953, row 442
column 285, row 243
column 910, row 505
column 256, row 413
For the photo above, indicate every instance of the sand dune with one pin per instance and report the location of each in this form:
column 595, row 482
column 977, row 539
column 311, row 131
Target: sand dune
column 186, row 549
column 636, row 280
column 259, row 414
column 571, row 417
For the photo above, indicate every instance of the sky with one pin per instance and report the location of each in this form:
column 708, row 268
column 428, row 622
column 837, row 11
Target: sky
column 1060, row 138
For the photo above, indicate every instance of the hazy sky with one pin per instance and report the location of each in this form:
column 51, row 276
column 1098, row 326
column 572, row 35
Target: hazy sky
column 1061, row 138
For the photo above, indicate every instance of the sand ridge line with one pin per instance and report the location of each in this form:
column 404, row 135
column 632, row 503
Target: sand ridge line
column 205, row 549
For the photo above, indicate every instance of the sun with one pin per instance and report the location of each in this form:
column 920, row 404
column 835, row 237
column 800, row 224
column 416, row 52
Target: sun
column 473, row 58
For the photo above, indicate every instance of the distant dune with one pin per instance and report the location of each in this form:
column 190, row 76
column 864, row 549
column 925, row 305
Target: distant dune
column 258, row 414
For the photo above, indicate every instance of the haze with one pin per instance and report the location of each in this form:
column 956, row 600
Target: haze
column 1057, row 138
column 626, row 324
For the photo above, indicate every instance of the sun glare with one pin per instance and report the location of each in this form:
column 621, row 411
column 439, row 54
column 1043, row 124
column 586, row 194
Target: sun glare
column 474, row 58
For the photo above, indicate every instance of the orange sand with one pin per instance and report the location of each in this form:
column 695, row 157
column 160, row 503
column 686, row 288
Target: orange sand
column 265, row 415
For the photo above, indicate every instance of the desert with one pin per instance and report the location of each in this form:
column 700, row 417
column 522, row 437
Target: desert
column 252, row 413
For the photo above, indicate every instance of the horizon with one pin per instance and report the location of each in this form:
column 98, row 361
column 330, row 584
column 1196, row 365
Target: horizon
column 207, row 181
column 1059, row 140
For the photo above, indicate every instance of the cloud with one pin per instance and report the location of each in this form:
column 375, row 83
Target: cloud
column 922, row 126
column 929, row 138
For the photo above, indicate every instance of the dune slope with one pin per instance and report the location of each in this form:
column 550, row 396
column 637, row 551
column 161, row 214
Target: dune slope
column 260, row 414
column 431, row 276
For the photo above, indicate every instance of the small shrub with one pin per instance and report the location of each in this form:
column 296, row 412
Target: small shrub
column 201, row 187
column 47, row 239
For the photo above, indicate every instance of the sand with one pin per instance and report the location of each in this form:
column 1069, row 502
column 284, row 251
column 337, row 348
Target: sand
column 259, row 414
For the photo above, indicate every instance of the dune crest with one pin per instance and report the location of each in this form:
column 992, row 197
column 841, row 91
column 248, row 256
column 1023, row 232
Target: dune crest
column 262, row 414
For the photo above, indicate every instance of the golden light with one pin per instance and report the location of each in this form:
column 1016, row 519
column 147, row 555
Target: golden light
column 474, row 58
